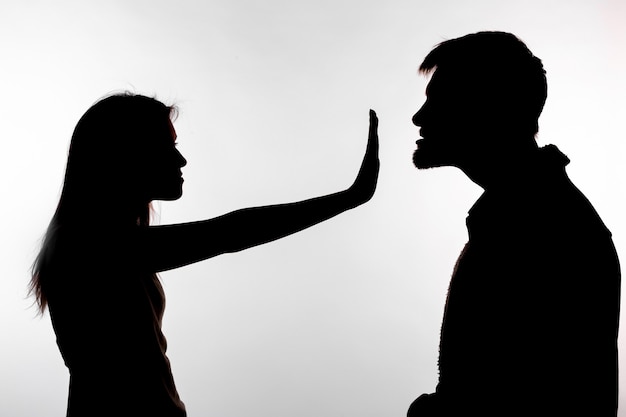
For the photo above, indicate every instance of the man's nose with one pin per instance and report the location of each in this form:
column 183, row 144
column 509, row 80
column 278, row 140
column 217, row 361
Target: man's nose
column 417, row 117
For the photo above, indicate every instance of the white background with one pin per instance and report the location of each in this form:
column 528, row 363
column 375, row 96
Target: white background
column 339, row 320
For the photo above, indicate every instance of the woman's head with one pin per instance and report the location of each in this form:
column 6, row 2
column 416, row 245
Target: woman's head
column 123, row 152
column 122, row 156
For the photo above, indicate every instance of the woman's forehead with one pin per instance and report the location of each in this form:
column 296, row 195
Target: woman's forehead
column 171, row 129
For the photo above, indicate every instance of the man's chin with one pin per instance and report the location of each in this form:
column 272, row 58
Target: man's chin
column 425, row 160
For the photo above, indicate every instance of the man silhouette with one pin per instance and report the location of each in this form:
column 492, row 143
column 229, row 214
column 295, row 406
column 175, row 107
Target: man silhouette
column 531, row 319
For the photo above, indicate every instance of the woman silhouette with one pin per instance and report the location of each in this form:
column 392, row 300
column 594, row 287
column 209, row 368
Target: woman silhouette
column 97, row 268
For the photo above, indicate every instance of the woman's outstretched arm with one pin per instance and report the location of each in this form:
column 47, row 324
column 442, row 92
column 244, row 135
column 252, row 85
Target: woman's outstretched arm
column 171, row 246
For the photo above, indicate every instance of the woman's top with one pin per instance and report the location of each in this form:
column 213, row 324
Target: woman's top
column 106, row 310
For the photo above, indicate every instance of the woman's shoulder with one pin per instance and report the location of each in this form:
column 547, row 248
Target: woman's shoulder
column 97, row 249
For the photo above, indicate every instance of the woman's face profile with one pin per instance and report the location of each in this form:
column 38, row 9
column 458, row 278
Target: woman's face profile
column 163, row 178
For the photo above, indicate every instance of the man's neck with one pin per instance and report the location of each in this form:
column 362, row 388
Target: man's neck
column 508, row 169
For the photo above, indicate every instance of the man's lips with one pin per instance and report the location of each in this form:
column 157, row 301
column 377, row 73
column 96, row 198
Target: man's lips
column 422, row 134
column 421, row 141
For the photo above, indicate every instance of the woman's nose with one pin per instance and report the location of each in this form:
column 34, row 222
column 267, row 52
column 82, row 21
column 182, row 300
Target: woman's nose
column 181, row 160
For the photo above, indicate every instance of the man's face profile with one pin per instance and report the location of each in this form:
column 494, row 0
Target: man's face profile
column 449, row 122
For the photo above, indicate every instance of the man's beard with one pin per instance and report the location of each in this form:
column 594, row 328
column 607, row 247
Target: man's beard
column 430, row 155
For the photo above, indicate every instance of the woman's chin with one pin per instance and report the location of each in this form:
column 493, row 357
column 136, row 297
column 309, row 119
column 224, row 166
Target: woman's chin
column 170, row 195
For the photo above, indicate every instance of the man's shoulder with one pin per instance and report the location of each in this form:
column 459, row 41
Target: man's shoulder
column 550, row 208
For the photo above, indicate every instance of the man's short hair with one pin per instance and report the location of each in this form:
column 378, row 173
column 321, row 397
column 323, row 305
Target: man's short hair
column 500, row 70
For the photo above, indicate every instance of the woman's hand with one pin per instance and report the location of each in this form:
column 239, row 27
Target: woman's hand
column 364, row 186
column 172, row 246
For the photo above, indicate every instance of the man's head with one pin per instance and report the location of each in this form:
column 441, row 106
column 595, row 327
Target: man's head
column 485, row 95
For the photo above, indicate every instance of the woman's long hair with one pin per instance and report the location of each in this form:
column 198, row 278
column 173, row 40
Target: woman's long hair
column 105, row 161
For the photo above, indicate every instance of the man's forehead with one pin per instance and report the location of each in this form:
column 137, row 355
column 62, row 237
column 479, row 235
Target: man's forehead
column 445, row 81
column 442, row 80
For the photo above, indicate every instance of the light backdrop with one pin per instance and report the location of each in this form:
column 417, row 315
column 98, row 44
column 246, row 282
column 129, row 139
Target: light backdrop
column 339, row 320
